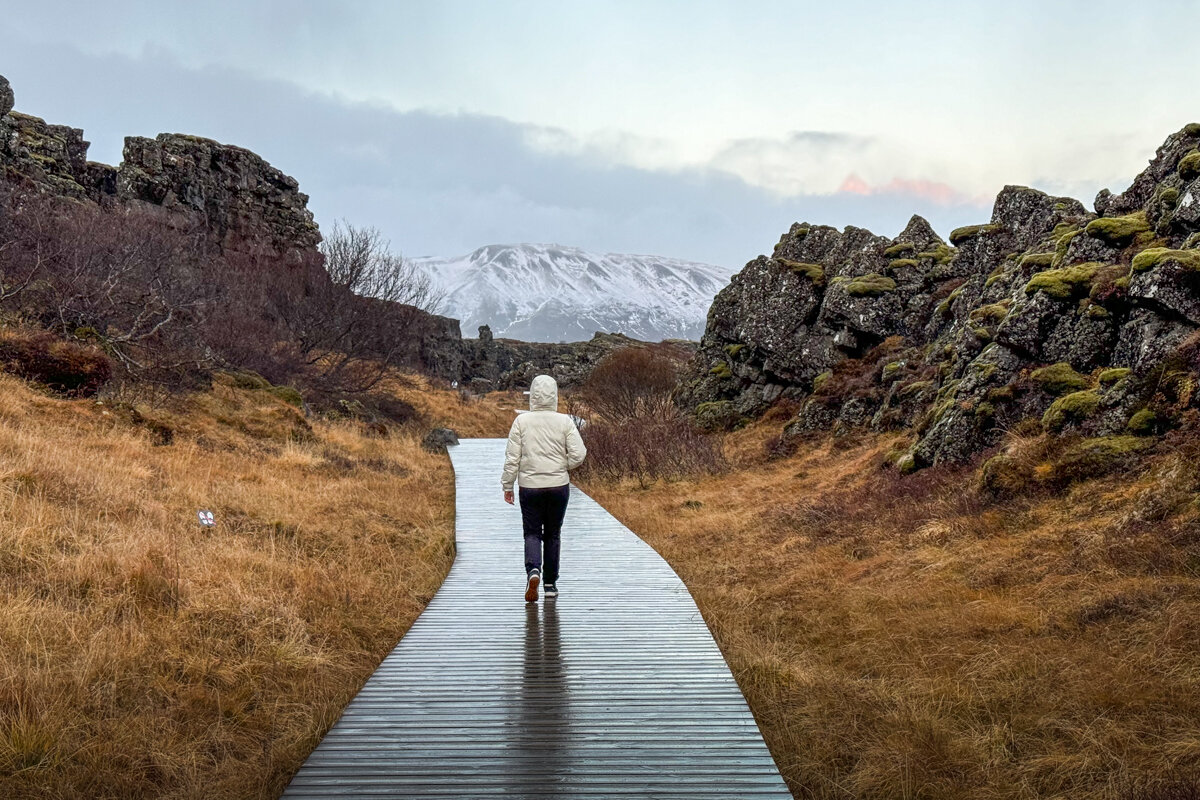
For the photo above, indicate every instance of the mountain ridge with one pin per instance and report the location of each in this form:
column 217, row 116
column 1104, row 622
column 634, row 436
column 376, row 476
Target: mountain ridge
column 549, row 292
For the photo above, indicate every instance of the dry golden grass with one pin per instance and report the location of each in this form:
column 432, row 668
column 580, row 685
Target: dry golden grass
column 143, row 656
column 908, row 638
column 470, row 416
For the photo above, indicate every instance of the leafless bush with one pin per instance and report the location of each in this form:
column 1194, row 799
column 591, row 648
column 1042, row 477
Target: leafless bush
column 120, row 278
column 649, row 449
column 633, row 382
column 165, row 304
column 347, row 323
column 360, row 260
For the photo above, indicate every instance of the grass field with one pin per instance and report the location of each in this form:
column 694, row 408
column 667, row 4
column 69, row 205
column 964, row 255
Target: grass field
column 143, row 656
column 912, row 638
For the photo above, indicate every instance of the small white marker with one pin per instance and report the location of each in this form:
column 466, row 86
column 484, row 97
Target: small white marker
column 207, row 520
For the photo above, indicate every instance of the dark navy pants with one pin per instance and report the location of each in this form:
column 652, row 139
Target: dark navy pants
column 542, row 512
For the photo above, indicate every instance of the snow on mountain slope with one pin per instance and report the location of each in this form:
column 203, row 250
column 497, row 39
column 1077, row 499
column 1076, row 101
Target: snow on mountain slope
column 549, row 293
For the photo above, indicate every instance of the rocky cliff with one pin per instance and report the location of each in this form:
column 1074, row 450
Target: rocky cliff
column 248, row 205
column 1048, row 315
column 252, row 210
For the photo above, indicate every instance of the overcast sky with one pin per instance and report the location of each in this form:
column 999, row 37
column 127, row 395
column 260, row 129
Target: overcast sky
column 693, row 129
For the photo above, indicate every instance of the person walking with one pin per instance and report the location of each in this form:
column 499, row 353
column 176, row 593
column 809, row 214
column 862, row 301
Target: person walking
column 542, row 446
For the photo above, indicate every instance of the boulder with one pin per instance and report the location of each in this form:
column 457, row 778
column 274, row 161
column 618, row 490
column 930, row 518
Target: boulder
column 438, row 439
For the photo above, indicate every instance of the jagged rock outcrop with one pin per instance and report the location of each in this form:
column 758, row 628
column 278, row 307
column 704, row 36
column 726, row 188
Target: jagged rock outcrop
column 247, row 205
column 960, row 341
column 243, row 200
column 492, row 363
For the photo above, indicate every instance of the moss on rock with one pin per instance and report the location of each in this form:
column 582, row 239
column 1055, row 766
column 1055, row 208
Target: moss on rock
column 1142, row 423
column 1189, row 165
column 732, row 350
column 717, row 415
column 1148, row 259
column 1062, row 283
column 1071, row 409
column 814, row 272
column 870, row 285
column 993, row 312
column 939, row 255
column 1037, row 260
column 899, row 248
column 1091, row 458
column 1113, row 374
column 959, row 235
column 902, row 263
column 1060, row 378
column 721, row 371
column 1118, row 231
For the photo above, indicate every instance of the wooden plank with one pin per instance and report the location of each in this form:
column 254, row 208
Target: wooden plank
column 615, row 689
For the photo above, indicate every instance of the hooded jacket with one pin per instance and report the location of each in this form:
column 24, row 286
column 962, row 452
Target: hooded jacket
column 542, row 443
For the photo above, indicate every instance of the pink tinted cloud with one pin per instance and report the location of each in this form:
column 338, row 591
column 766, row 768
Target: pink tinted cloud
column 940, row 193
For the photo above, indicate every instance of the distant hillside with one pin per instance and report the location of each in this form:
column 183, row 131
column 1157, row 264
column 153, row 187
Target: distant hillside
column 549, row 293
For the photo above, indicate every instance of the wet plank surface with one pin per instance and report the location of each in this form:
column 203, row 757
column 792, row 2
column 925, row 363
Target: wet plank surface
column 615, row 689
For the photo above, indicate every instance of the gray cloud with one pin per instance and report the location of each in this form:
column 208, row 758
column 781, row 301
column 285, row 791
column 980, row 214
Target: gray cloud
column 441, row 184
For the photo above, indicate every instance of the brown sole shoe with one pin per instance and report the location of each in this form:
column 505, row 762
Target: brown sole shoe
column 531, row 589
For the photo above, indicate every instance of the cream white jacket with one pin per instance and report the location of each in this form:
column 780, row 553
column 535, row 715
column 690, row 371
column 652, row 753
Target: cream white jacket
column 542, row 444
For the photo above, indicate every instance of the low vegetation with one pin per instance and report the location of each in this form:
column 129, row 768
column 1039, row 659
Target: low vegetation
column 144, row 656
column 1025, row 628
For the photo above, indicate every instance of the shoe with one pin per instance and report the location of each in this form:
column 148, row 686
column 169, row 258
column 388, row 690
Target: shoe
column 551, row 591
column 531, row 588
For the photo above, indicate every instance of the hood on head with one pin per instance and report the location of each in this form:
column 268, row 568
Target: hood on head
column 543, row 394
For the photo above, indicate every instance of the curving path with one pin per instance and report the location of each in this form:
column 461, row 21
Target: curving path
column 616, row 689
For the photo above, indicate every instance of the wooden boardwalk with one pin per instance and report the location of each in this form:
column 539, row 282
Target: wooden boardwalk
column 616, row 689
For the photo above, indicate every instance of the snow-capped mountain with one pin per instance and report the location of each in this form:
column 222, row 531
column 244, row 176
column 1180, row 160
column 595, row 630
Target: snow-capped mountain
column 550, row 293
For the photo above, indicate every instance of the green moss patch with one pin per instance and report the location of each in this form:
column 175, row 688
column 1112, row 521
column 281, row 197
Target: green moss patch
column 939, row 255
column 959, row 235
column 994, row 312
column 1189, row 165
column 718, row 415
column 901, row 263
column 814, row 272
column 1062, row 283
column 821, row 380
column 914, row 388
column 1037, row 260
column 1111, row 376
column 1148, row 259
column 732, row 350
column 1091, row 458
column 1167, row 196
column 899, row 249
column 1142, row 423
column 1071, row 409
column 1060, row 378
column 870, row 285
column 721, row 371
column 892, row 370
column 1118, row 231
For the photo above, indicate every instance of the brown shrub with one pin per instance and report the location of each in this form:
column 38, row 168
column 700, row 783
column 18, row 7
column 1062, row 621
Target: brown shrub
column 648, row 449
column 71, row 368
column 635, row 381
